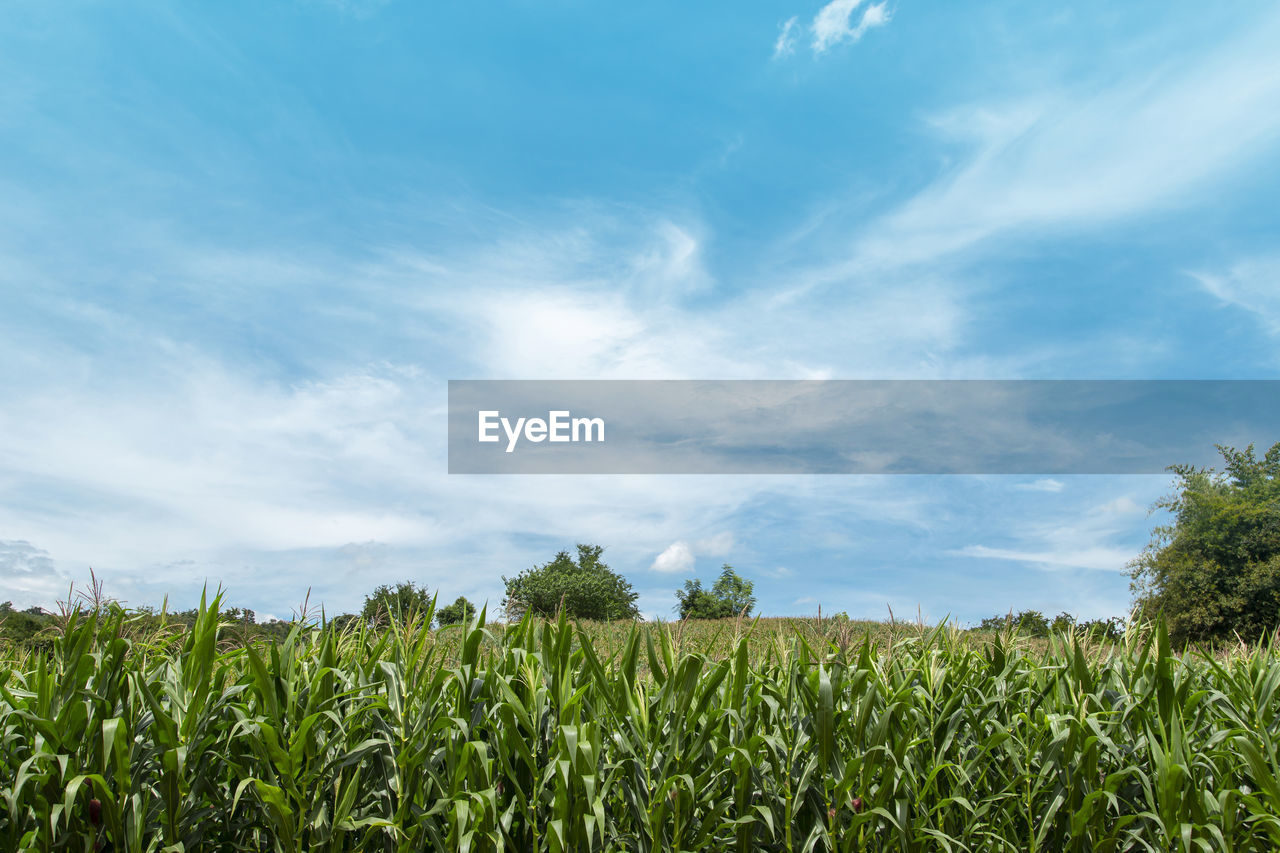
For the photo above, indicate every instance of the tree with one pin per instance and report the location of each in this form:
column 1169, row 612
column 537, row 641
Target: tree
column 460, row 612
column 1031, row 622
column 400, row 601
column 734, row 591
column 586, row 588
column 729, row 596
column 23, row 626
column 697, row 602
column 1214, row 571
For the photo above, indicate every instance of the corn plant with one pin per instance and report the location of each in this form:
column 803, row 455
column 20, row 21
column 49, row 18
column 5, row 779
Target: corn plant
column 552, row 736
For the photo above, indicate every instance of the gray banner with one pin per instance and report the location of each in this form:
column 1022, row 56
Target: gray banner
column 853, row 426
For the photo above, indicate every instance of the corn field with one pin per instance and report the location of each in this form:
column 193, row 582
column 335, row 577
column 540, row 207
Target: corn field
column 540, row 737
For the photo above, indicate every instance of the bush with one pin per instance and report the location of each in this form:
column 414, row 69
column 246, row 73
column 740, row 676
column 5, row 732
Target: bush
column 401, row 601
column 1034, row 623
column 1100, row 629
column 697, row 602
column 586, row 589
column 1214, row 572
column 1063, row 623
column 23, row 626
column 1031, row 622
column 730, row 596
column 458, row 613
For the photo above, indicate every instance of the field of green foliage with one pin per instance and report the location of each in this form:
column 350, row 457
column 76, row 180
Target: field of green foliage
column 730, row 735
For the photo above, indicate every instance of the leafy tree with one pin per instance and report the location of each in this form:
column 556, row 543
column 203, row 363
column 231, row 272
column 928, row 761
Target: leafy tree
column 1063, row 623
column 399, row 601
column 729, row 596
column 245, row 616
column 697, row 602
column 1100, row 629
column 345, row 621
column 586, row 588
column 1036, row 624
column 1214, row 571
column 460, row 612
column 1031, row 622
column 734, row 591
column 23, row 626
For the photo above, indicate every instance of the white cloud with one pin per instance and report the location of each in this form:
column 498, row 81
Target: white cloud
column 145, row 445
column 833, row 23
column 678, row 557
column 1047, row 484
column 1123, row 505
column 786, row 43
column 1252, row 284
column 28, row 576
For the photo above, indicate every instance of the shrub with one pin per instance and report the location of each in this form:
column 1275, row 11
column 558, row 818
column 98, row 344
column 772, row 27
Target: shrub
column 730, row 596
column 401, row 601
column 459, row 613
column 1034, row 623
column 1100, row 629
column 586, row 588
column 696, row 602
column 22, row 626
column 1063, row 623
column 1031, row 622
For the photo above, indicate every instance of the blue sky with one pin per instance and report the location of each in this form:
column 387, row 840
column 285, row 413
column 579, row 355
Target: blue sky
column 244, row 246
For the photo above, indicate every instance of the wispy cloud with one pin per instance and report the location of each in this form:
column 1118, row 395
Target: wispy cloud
column 718, row 545
column 1086, row 158
column 355, row 8
column 1047, row 484
column 1086, row 540
column 144, row 446
column 834, row 23
column 1106, row 559
column 786, row 43
column 1078, row 158
column 1252, row 284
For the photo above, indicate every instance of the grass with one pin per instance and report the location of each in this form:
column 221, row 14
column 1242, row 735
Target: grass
column 787, row 735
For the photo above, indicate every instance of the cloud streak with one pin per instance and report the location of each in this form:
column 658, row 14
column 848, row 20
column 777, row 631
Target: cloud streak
column 1085, row 159
column 786, row 42
column 1075, row 159
column 834, row 25
column 1251, row 284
